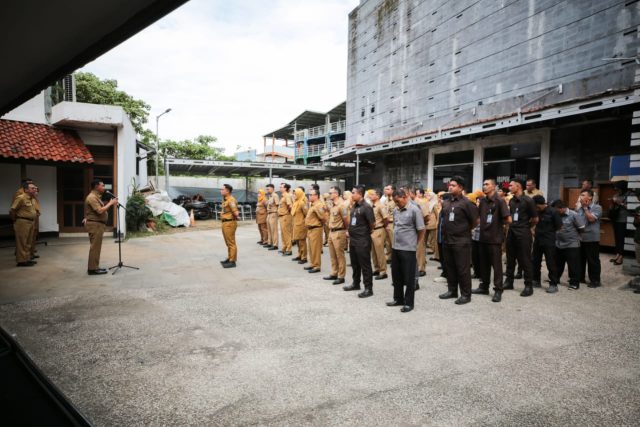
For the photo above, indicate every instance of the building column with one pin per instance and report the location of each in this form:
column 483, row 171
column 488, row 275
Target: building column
column 478, row 167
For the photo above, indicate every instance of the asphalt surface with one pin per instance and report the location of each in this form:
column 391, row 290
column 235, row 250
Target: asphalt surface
column 184, row 342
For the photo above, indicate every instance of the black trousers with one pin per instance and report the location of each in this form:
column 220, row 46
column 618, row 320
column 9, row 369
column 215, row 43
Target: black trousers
column 360, row 256
column 519, row 248
column 590, row 256
column 619, row 230
column 442, row 263
column 571, row 257
column 550, row 258
column 475, row 258
column 403, row 274
column 490, row 256
column 458, row 261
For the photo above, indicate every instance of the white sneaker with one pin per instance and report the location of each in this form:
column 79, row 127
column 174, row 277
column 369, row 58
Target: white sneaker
column 440, row 279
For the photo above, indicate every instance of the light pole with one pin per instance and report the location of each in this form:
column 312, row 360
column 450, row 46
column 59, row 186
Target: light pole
column 158, row 143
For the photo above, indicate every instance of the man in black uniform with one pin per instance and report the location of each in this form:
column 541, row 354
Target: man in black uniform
column 524, row 215
column 494, row 215
column 460, row 216
column 361, row 225
column 549, row 221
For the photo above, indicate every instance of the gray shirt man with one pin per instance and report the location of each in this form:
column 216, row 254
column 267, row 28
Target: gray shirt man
column 407, row 222
column 591, row 229
column 569, row 234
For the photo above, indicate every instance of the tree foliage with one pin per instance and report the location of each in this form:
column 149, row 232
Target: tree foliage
column 200, row 148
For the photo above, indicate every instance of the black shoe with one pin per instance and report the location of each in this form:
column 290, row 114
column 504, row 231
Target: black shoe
column 406, row 309
column 463, row 300
column 422, row 274
column 536, row 284
column 417, row 288
column 434, row 259
column 295, row 259
column 366, row 293
column 351, row 288
column 497, row 296
column 35, row 256
column 527, row 292
column 314, row 270
column 388, row 261
column 302, row 261
column 394, row 303
column 583, row 281
column 308, row 268
column 508, row 285
column 518, row 276
column 338, row 282
column 376, row 273
column 287, row 253
column 439, row 267
column 448, row 295
column 574, row 287
column 636, row 291
column 96, row 272
column 480, row 291
column 594, row 285
column 330, row 277
column 266, row 245
column 225, row 261
column 475, row 276
column 381, row 277
column 26, row 264
column 260, row 243
column 273, row 248
column 230, row 264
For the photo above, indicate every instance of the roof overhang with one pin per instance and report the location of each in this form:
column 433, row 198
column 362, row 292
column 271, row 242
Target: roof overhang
column 261, row 169
column 46, row 40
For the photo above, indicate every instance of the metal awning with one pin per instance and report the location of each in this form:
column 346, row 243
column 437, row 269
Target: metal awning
column 305, row 120
column 339, row 112
column 255, row 169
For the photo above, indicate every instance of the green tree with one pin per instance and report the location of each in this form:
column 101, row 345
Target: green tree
column 199, row 148
column 93, row 90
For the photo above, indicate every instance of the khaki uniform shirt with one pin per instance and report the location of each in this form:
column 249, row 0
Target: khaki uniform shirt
column 285, row 204
column 316, row 214
column 337, row 212
column 92, row 203
column 23, row 207
column 272, row 203
column 390, row 206
column 379, row 213
column 423, row 204
column 229, row 207
column 535, row 192
column 261, row 213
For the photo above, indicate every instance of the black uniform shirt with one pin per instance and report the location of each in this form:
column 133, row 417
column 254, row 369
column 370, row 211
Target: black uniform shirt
column 459, row 216
column 550, row 222
column 360, row 223
column 522, row 210
column 493, row 211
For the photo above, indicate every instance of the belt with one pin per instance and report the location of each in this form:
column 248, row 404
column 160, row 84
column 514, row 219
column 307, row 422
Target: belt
column 311, row 227
column 25, row 218
column 226, row 220
column 378, row 228
column 282, row 215
column 336, row 229
column 93, row 220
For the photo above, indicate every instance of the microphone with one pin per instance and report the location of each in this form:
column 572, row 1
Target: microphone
column 109, row 193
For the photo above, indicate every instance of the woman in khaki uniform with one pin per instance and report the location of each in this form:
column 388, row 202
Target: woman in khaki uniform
column 299, row 212
column 261, row 217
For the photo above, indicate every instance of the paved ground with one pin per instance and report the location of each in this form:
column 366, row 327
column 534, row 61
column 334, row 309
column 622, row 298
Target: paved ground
column 184, row 342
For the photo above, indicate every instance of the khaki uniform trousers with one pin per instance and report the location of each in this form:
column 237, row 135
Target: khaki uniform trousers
column 421, row 254
column 23, row 229
column 264, row 233
column 286, row 230
column 96, row 231
column 337, row 246
column 34, row 234
column 272, row 227
column 229, row 234
column 388, row 240
column 326, row 234
column 315, row 246
column 302, row 248
column 431, row 240
column 377, row 250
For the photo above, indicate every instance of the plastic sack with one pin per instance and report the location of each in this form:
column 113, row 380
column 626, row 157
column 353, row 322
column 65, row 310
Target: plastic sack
column 160, row 203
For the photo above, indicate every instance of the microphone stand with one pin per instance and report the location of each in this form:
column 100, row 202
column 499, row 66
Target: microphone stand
column 120, row 264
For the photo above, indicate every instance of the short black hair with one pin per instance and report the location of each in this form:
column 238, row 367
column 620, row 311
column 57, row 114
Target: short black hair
column 270, row 185
column 559, row 204
column 590, row 181
column 301, row 187
column 95, row 183
column 539, row 200
column 493, row 180
column 315, row 187
column 360, row 189
column 25, row 185
column 393, row 187
column 399, row 192
column 337, row 190
column 519, row 181
column 228, row 187
column 26, row 181
column 286, row 186
column 377, row 191
column 532, row 180
column 313, row 191
column 589, row 192
column 459, row 180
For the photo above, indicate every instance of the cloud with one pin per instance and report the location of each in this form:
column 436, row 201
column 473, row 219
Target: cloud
column 235, row 69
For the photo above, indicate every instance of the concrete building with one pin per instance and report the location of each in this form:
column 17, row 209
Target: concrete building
column 62, row 148
column 543, row 89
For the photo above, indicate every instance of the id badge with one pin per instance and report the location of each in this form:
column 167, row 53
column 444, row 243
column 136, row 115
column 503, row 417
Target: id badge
column 353, row 220
column 489, row 218
column 515, row 217
column 452, row 216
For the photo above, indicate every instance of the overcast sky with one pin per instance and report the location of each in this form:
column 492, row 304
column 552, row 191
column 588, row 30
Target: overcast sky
column 235, row 69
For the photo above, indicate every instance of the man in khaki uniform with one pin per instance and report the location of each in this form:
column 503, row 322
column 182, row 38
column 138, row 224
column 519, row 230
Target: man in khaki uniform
column 378, row 236
column 390, row 206
column 23, row 214
column 285, row 218
column 338, row 224
column 36, row 222
column 229, row 220
column 316, row 217
column 96, row 214
column 272, row 217
column 299, row 213
column 261, row 217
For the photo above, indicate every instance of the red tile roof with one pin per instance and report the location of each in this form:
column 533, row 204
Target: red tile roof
column 34, row 141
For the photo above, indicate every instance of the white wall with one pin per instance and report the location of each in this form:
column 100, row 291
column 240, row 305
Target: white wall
column 9, row 183
column 31, row 111
column 45, row 177
column 239, row 183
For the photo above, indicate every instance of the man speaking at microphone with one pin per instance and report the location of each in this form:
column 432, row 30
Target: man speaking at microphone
column 96, row 213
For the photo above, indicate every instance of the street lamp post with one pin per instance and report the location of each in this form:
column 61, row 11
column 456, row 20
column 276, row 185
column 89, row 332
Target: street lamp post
column 158, row 143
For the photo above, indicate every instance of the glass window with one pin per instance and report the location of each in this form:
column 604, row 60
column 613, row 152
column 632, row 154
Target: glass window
column 512, row 161
column 447, row 165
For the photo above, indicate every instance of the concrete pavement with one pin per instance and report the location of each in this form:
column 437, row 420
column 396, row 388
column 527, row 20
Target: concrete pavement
column 184, row 342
